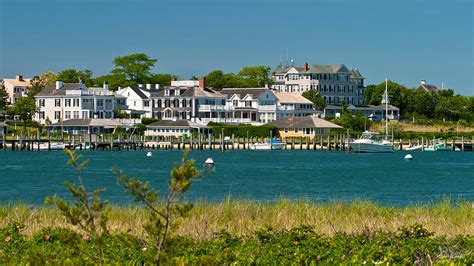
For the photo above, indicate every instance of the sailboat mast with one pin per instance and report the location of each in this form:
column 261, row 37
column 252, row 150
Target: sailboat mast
column 386, row 109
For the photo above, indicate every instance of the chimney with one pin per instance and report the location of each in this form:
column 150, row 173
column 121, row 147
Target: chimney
column 266, row 85
column 423, row 82
column 148, row 86
column 140, row 85
column 19, row 77
column 202, row 82
column 273, row 73
column 173, row 79
column 157, row 86
column 59, row 84
column 306, row 67
column 106, row 85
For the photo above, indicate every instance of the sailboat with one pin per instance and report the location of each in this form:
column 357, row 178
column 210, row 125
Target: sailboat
column 372, row 142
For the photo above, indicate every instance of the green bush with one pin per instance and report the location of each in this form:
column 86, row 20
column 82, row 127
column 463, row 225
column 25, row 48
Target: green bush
column 243, row 130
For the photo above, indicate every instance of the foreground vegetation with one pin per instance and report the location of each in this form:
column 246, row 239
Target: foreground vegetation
column 247, row 232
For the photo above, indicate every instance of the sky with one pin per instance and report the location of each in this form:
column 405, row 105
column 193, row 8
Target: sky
column 405, row 40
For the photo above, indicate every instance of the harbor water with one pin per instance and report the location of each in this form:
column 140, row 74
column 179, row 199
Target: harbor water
column 387, row 179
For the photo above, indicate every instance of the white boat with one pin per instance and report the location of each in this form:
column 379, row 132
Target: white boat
column 271, row 145
column 414, row 148
column 372, row 142
column 54, row 146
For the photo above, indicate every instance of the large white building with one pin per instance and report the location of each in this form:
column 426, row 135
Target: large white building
column 293, row 105
column 335, row 83
column 138, row 100
column 73, row 101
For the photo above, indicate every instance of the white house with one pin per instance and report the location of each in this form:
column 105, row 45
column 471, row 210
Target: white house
column 293, row 105
column 138, row 101
column 17, row 87
column 177, row 128
column 73, row 101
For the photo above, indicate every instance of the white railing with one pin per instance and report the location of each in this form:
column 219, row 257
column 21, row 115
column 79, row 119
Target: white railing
column 209, row 107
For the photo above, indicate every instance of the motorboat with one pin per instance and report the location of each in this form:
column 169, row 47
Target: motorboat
column 269, row 145
column 371, row 142
column 53, row 146
column 414, row 148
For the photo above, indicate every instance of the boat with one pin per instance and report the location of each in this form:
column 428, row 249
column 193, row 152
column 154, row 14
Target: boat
column 414, row 148
column 54, row 146
column 438, row 147
column 372, row 142
column 269, row 145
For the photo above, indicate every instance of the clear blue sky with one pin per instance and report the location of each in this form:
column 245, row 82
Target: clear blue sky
column 406, row 40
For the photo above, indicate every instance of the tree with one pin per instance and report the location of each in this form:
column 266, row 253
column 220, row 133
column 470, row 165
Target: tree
column 162, row 79
column 255, row 76
column 37, row 85
column 3, row 97
column 48, row 77
column 74, row 76
column 316, row 98
column 115, row 81
column 134, row 67
column 25, row 108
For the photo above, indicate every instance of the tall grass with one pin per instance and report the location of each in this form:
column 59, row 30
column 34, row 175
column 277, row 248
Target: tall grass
column 244, row 217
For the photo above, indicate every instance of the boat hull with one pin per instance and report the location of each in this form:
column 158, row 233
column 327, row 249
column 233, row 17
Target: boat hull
column 370, row 148
column 267, row 146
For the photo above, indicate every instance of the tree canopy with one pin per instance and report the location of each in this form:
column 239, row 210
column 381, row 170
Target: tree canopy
column 3, row 97
column 316, row 98
column 248, row 77
column 74, row 76
column 134, row 67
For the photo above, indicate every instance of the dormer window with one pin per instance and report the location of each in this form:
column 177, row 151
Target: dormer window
column 167, row 92
column 177, row 92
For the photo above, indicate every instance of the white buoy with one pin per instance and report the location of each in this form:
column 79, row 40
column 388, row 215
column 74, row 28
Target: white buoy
column 408, row 157
column 209, row 161
column 149, row 154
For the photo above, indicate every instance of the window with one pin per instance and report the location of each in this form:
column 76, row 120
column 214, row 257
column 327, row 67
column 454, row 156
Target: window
column 108, row 101
column 146, row 103
column 100, row 102
column 177, row 92
column 286, row 130
column 57, row 115
column 41, row 102
column 41, row 115
column 68, row 114
column 235, row 102
column 57, row 102
column 75, row 102
column 108, row 114
column 167, row 92
column 296, row 130
column 84, row 114
column 76, row 114
column 67, row 102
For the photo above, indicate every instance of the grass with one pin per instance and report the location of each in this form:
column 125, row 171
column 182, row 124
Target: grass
column 243, row 218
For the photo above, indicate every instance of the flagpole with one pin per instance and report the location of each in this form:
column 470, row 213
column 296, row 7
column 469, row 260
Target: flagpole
column 386, row 109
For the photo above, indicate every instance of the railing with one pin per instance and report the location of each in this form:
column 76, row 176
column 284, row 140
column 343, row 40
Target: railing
column 209, row 107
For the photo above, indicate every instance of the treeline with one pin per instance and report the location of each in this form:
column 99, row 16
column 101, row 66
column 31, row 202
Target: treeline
column 419, row 104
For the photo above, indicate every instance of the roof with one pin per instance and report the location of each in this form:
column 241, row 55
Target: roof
column 18, row 83
column 310, row 121
column 177, row 123
column 355, row 74
column 139, row 92
column 51, row 90
column 334, row 68
column 286, row 97
column 89, row 122
column 242, row 92
column 429, row 88
column 188, row 92
column 3, row 124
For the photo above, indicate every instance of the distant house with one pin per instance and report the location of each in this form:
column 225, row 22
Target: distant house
column 74, row 101
column 17, row 87
column 306, row 126
column 174, row 128
column 428, row 88
column 138, row 100
column 374, row 112
column 291, row 104
column 86, row 126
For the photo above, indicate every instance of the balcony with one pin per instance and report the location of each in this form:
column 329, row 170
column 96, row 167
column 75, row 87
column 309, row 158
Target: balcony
column 267, row 108
column 208, row 108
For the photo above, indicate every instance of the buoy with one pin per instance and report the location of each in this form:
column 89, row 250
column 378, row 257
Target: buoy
column 408, row 157
column 149, row 154
column 209, row 161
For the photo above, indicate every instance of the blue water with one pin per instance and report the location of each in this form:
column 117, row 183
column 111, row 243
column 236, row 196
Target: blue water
column 256, row 175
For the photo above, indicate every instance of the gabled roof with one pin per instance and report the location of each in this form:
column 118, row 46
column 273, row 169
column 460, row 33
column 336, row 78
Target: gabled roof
column 18, row 83
column 242, row 92
column 140, row 93
column 286, row 97
column 303, row 122
column 355, row 74
column 188, row 92
column 331, row 69
column 429, row 88
column 177, row 123
column 51, row 90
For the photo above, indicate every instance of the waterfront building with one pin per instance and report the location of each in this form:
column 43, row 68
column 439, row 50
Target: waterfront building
column 86, row 126
column 290, row 104
column 304, row 126
column 254, row 106
column 177, row 128
column 138, row 100
column 373, row 112
column 74, row 101
column 427, row 87
column 15, row 88
column 335, row 83
column 195, row 103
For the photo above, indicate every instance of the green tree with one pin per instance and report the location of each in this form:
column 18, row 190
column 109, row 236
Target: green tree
column 48, row 77
column 255, row 76
column 134, row 67
column 316, row 98
column 115, row 81
column 25, row 108
column 37, row 85
column 74, row 76
column 162, row 79
column 3, row 97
